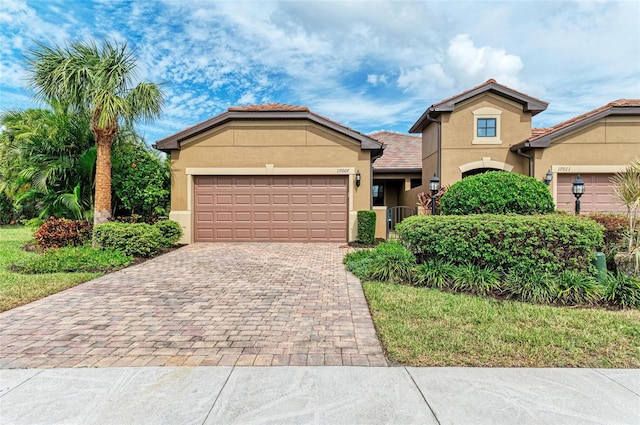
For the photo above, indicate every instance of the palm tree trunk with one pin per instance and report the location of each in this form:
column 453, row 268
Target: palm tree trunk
column 102, row 200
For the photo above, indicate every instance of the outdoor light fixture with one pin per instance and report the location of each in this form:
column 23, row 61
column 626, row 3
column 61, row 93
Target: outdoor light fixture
column 434, row 187
column 358, row 178
column 578, row 190
column 548, row 177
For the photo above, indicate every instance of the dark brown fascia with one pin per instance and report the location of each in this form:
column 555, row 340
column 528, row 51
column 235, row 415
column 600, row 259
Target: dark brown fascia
column 173, row 142
column 396, row 170
column 545, row 140
column 529, row 104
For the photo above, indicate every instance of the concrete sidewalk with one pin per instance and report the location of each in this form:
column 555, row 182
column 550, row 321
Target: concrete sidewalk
column 319, row 395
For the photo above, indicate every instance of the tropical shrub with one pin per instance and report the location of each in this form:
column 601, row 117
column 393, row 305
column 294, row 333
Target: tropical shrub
column 366, row 227
column 138, row 239
column 497, row 192
column 141, row 179
column 61, row 232
column 170, row 230
column 387, row 262
column 626, row 185
column 501, row 242
column 47, row 159
column 73, row 259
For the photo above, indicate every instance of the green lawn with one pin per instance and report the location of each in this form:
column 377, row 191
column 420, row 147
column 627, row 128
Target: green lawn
column 18, row 289
column 427, row 327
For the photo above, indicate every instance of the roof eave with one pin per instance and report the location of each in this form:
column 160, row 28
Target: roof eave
column 544, row 141
column 396, row 170
column 173, row 142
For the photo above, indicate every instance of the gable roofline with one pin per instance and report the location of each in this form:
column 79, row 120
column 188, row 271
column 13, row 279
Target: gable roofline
column 529, row 103
column 543, row 139
column 271, row 111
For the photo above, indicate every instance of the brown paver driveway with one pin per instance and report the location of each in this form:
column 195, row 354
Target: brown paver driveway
column 203, row 304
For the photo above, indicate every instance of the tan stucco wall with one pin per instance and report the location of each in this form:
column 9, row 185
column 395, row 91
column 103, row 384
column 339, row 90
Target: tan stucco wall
column 458, row 133
column 271, row 146
column 381, row 222
column 409, row 198
column 604, row 146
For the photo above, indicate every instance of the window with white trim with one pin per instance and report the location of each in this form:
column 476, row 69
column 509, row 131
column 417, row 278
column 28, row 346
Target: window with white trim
column 486, row 126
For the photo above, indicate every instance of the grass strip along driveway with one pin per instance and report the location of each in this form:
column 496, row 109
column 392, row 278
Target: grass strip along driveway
column 428, row 327
column 17, row 289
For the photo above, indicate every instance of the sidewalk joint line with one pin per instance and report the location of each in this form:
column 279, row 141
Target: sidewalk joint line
column 218, row 396
column 423, row 396
column 611, row 379
column 23, row 382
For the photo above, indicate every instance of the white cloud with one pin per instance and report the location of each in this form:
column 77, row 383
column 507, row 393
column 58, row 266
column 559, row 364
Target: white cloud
column 247, row 99
column 367, row 64
column 375, row 79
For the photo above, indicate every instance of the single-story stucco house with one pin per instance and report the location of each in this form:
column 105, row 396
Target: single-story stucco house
column 269, row 173
column 284, row 173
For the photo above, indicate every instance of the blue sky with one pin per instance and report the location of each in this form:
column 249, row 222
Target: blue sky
column 373, row 65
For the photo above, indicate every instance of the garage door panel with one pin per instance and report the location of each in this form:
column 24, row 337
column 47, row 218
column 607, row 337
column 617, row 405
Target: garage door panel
column 222, row 181
column 261, row 199
column 599, row 195
column 226, row 199
column 271, row 208
column 300, row 199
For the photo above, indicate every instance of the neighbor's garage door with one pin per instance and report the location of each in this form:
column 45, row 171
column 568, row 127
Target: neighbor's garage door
column 599, row 195
column 271, row 208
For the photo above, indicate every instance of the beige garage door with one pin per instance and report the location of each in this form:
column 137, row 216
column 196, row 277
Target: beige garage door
column 271, row 208
column 599, row 195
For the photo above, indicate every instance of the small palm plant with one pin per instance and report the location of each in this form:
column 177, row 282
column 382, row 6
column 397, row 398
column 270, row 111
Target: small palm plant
column 626, row 185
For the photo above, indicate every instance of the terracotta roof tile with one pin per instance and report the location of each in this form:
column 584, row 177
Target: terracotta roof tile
column 401, row 151
column 574, row 120
column 537, row 131
column 269, row 107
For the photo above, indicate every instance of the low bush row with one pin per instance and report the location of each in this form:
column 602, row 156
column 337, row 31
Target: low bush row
column 137, row 239
column 392, row 262
column 550, row 243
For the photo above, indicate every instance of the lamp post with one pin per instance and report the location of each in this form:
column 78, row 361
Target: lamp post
column 548, row 177
column 578, row 190
column 434, row 186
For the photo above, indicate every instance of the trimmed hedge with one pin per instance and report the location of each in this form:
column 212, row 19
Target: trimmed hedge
column 138, row 239
column 549, row 243
column 171, row 232
column 497, row 192
column 366, row 227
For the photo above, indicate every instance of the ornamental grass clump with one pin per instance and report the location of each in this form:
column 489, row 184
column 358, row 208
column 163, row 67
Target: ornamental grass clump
column 387, row 262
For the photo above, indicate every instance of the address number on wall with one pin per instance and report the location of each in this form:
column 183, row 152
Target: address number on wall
column 564, row 169
column 342, row 171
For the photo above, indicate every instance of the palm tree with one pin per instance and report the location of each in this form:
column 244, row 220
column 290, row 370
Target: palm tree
column 47, row 160
column 98, row 80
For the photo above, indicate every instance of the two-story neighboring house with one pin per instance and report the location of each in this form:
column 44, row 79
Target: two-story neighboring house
column 489, row 127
